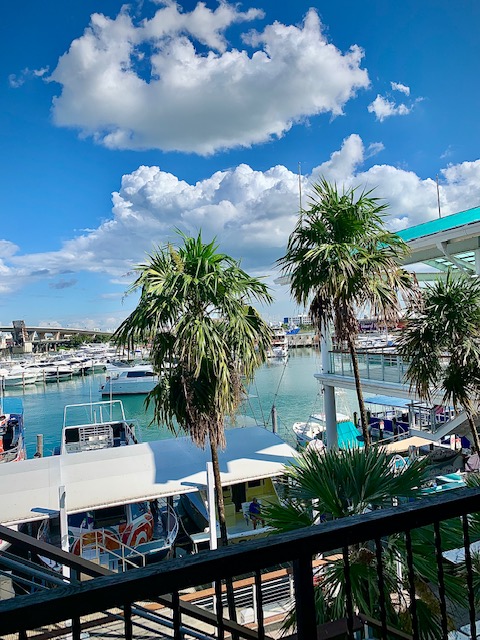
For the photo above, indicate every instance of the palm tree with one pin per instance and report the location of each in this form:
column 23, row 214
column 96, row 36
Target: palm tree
column 345, row 483
column 206, row 340
column 340, row 259
column 441, row 341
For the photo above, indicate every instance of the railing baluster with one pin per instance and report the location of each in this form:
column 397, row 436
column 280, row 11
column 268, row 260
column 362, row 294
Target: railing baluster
column 304, row 598
column 381, row 587
column 441, row 578
column 259, row 603
column 348, row 592
column 176, row 615
column 127, row 615
column 468, row 566
column 219, row 610
column 411, row 584
column 22, row 635
column 76, row 628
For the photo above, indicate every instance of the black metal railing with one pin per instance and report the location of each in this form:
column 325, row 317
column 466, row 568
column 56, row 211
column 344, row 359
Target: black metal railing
column 163, row 583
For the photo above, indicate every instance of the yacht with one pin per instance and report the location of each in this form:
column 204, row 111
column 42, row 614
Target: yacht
column 17, row 376
column 139, row 379
column 279, row 345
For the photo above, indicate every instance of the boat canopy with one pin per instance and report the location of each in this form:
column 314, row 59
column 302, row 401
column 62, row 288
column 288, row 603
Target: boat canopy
column 390, row 401
column 157, row 469
column 11, row 405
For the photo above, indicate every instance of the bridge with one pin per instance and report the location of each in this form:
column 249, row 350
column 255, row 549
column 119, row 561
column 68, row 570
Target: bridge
column 32, row 338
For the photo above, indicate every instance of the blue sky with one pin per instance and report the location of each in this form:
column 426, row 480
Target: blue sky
column 120, row 123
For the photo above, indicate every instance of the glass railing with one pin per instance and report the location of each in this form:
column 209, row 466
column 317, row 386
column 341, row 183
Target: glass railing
column 385, row 367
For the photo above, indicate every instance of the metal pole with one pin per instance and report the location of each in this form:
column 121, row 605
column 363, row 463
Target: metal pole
column 212, row 520
column 438, row 199
column 63, row 527
column 274, row 419
column 39, row 452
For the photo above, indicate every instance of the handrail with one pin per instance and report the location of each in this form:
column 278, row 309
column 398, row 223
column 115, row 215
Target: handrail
column 101, row 545
column 169, row 577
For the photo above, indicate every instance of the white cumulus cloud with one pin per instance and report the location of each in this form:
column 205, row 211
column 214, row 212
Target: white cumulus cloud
column 384, row 108
column 398, row 86
column 174, row 82
column 250, row 212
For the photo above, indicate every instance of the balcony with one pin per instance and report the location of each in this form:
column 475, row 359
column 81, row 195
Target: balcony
column 151, row 601
column 373, row 365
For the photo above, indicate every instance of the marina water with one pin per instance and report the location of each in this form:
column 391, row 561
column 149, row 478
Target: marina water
column 289, row 384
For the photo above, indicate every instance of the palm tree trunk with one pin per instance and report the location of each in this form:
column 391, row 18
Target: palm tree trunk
column 232, row 612
column 358, row 386
column 219, row 495
column 473, row 429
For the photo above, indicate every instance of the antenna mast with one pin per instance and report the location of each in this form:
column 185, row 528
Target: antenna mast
column 300, row 189
column 438, row 199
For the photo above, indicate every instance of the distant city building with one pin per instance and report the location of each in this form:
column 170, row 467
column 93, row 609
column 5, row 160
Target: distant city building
column 301, row 320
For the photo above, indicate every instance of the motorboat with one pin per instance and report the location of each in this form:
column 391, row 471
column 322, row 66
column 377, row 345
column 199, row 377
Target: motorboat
column 279, row 344
column 119, row 537
column 50, row 370
column 103, row 482
column 314, row 428
column 17, row 376
column 139, row 379
column 116, row 535
column 96, row 425
column 12, row 434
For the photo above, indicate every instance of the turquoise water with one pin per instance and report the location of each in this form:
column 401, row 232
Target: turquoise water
column 290, row 386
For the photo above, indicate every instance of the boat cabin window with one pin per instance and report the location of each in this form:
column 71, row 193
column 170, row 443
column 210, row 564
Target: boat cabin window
column 110, row 516
column 139, row 374
column 118, row 430
column 78, row 520
column 139, row 509
column 255, row 483
column 71, row 435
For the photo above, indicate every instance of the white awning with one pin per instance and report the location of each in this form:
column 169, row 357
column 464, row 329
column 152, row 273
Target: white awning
column 109, row 477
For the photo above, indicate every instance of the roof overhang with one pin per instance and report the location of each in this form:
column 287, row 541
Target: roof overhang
column 157, row 469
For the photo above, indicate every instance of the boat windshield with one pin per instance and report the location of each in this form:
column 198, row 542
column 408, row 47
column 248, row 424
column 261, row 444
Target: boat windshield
column 93, row 413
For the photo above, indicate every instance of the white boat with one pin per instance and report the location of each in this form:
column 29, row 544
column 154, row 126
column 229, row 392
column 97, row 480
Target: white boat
column 95, row 425
column 50, row 370
column 314, row 427
column 279, row 345
column 101, row 483
column 139, row 379
column 16, row 376
column 119, row 536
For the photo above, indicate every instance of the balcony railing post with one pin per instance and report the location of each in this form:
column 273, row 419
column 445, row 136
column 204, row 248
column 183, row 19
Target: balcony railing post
column 127, row 615
column 258, row 605
column 381, row 587
column 468, row 567
column 176, row 616
column 304, row 598
column 219, row 610
column 348, row 593
column 411, row 584
column 441, row 578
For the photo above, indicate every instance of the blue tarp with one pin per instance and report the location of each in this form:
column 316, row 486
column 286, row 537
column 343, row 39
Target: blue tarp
column 12, row 405
column 348, row 436
column 389, row 401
